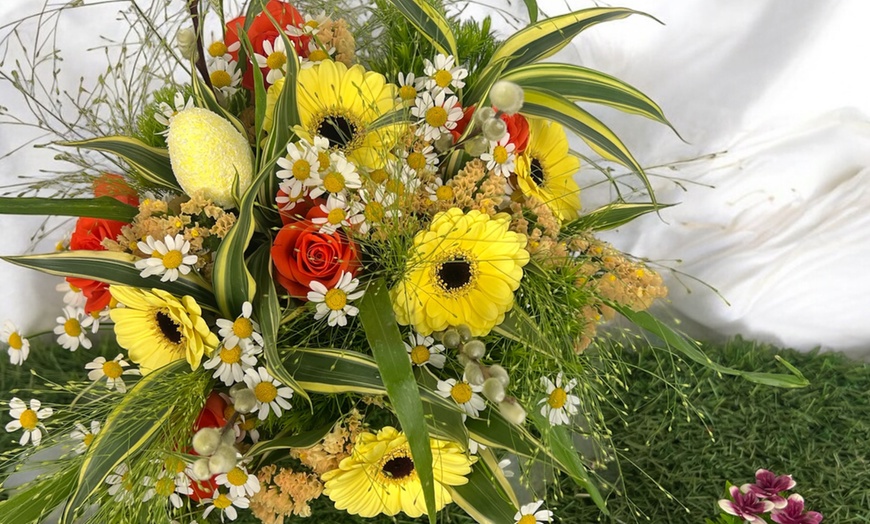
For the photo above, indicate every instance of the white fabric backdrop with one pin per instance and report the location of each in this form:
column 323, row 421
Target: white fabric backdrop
column 776, row 221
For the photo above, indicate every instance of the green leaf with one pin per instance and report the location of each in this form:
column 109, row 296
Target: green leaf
column 126, row 431
column 520, row 327
column 151, row 163
column 675, row 340
column 102, row 207
column 206, row 97
column 382, row 332
column 481, row 499
column 259, row 91
column 611, row 216
column 532, row 8
column 302, row 440
column 430, row 23
column 31, row 503
column 114, row 268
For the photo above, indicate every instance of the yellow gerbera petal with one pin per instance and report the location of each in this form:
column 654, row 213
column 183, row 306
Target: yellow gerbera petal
column 546, row 169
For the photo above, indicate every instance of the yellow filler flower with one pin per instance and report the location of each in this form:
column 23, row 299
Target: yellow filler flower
column 464, row 269
column 379, row 476
column 157, row 328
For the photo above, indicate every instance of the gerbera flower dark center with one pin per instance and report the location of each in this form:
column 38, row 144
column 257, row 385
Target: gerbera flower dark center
column 536, row 171
column 398, row 467
column 454, row 274
column 339, row 130
column 168, row 327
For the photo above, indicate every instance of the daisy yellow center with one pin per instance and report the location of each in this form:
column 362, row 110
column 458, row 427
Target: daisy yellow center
column 335, row 299
column 248, row 424
column 557, row 399
column 336, row 216
column 374, row 211
column 72, row 327
column 323, row 159
column 89, row 437
column 276, row 60
column 220, row 78
column 500, row 154
column 442, row 78
column 15, row 341
column 416, row 160
column 301, row 169
column 229, row 412
column 444, row 193
column 378, row 176
column 222, row 502
column 237, row 477
column 28, row 419
column 112, row 369
column 172, row 259
column 313, row 24
column 420, row 355
column 95, row 314
column 436, row 116
column 395, row 186
column 164, row 486
column 217, row 49
column 174, row 465
column 456, row 274
column 318, row 55
column 407, row 92
column 231, row 355
column 527, row 519
column 74, row 289
column 243, row 328
column 461, row 392
column 334, row 182
column 265, row 392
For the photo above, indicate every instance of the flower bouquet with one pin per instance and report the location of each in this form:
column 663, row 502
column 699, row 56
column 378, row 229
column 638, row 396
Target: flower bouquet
column 361, row 273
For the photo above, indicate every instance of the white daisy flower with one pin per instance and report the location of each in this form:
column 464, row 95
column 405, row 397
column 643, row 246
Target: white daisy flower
column 242, row 331
column 424, row 160
column 230, row 363
column 436, row 114
column 310, row 25
column 84, row 435
column 274, row 58
column 225, row 77
column 438, row 191
column 464, row 394
column 167, row 112
column 409, row 86
column 239, row 482
column 474, row 446
column 300, row 168
column 224, row 503
column 339, row 213
column 166, row 486
column 19, row 347
column 336, row 179
column 269, row 392
column 503, row 465
column 120, row 484
column 377, row 206
column 335, row 302
column 29, row 419
column 529, row 514
column 444, row 75
column 168, row 257
column 71, row 328
column 559, row 404
column 500, row 157
column 112, row 370
column 316, row 54
column 72, row 296
column 247, row 426
column 402, row 181
column 423, row 350
column 218, row 50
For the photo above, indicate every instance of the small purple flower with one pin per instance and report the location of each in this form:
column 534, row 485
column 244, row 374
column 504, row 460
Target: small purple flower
column 769, row 486
column 793, row 513
column 747, row 506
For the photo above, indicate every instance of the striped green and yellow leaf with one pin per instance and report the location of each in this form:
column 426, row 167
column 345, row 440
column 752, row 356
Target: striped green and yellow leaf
column 151, row 163
column 611, row 216
column 33, row 502
column 102, row 207
column 482, row 499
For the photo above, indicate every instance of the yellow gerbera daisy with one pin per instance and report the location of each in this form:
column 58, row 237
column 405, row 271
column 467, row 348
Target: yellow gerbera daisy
column 338, row 103
column 546, row 169
column 379, row 475
column 462, row 270
column 157, row 328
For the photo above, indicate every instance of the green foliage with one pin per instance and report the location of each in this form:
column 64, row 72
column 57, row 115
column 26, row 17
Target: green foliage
column 148, row 129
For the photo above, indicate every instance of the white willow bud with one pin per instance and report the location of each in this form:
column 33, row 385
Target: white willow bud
column 244, row 400
column 511, row 410
column 494, row 129
column 500, row 373
column 444, row 142
column 483, row 114
column 451, row 338
column 200, row 469
column 464, row 332
column 185, row 39
column 206, row 441
column 475, row 349
column 477, row 146
column 463, row 359
column 473, row 373
column 223, row 460
column 506, row 96
column 493, row 389
column 228, row 438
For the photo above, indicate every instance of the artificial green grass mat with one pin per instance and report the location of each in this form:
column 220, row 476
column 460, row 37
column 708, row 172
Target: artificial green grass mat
column 819, row 434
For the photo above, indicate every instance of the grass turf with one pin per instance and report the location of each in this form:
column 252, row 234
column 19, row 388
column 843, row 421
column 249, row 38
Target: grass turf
column 818, row 434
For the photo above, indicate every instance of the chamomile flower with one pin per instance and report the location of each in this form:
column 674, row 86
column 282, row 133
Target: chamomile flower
column 225, row 505
column 339, row 213
column 168, row 487
column 409, row 86
column 166, row 112
column 19, row 347
column 464, row 394
column 336, row 179
column 121, row 484
column 99, row 317
column 500, row 157
column 437, row 191
column 84, row 436
column 529, row 514
column 377, row 206
column 424, row 351
column 436, row 114
column 239, row 482
column 504, row 465
column 269, row 392
column 246, row 425
column 299, row 169
column 316, row 54
column 335, row 303
column 219, row 50
column 242, row 331
column 230, row 362
column 28, row 419
column 71, row 328
column 475, row 446
column 559, row 404
column 225, row 77
column 444, row 75
column 72, row 296
column 168, row 257
column 425, row 159
column 310, row 25
column 112, row 370
column 274, row 58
